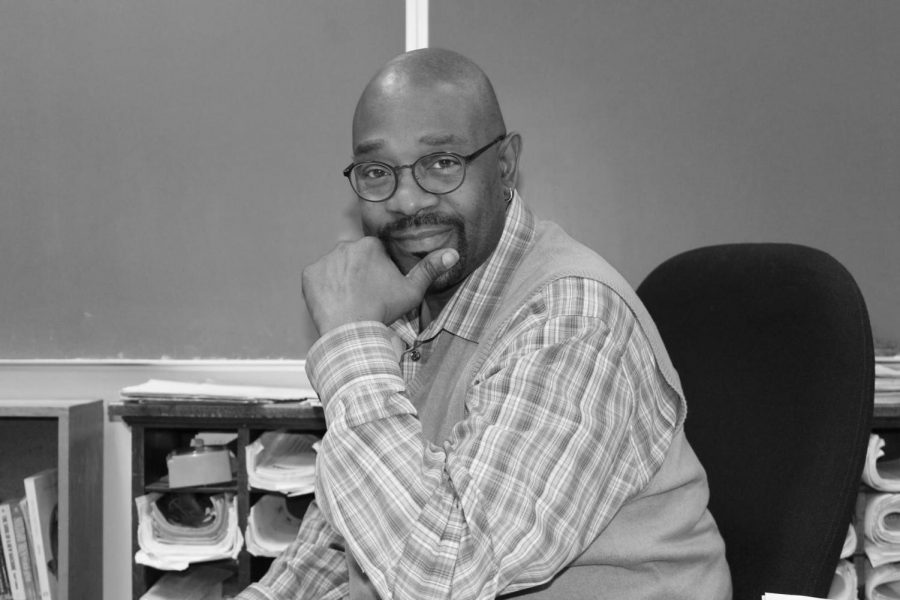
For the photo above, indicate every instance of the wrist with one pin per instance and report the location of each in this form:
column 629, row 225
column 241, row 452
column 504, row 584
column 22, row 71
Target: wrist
column 353, row 351
column 326, row 323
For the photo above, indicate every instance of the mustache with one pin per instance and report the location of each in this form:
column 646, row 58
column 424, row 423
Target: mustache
column 414, row 221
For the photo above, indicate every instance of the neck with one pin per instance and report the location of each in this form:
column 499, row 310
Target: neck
column 433, row 305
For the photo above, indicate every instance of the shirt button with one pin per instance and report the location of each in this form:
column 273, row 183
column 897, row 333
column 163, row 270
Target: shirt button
column 414, row 355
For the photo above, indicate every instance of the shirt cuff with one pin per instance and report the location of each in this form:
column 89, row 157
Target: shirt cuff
column 358, row 357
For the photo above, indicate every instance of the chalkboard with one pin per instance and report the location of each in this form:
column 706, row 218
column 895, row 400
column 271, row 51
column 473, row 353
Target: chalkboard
column 651, row 128
column 168, row 167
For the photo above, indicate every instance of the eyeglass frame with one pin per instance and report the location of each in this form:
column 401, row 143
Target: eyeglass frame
column 396, row 170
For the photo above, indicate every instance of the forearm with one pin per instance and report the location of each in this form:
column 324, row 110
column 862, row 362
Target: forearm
column 399, row 509
column 368, row 443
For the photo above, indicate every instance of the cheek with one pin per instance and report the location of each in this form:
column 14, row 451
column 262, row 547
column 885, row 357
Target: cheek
column 370, row 218
column 485, row 231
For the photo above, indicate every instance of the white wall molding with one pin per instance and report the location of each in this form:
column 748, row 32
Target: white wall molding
column 104, row 378
column 139, row 363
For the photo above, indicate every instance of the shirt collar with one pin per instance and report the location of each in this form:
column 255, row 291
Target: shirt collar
column 467, row 312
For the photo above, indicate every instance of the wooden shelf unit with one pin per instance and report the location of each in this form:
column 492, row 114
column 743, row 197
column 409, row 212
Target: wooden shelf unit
column 159, row 427
column 37, row 434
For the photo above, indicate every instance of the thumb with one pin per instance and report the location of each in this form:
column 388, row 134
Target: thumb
column 431, row 267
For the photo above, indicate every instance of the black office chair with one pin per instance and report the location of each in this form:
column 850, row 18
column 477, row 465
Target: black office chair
column 774, row 349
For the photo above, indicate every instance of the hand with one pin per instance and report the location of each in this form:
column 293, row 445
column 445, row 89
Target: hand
column 358, row 281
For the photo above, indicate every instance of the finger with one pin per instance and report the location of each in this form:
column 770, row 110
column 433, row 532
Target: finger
column 431, row 267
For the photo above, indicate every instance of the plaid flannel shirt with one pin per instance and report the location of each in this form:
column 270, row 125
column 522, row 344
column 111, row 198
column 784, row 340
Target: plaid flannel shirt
column 572, row 420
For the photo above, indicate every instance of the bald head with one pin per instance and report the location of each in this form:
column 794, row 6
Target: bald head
column 439, row 72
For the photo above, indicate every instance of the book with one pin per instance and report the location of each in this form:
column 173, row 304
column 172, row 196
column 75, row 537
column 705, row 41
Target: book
column 5, row 591
column 23, row 543
column 42, row 492
column 10, row 551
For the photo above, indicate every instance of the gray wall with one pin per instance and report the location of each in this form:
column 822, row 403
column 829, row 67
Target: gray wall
column 167, row 167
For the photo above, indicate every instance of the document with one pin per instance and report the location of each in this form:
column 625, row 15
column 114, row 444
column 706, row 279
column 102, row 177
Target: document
column 169, row 544
column 270, row 527
column 845, row 584
column 882, row 582
column 887, row 380
column 283, row 462
column 164, row 389
column 879, row 473
column 881, row 537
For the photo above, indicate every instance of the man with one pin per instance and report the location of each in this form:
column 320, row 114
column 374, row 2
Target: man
column 502, row 416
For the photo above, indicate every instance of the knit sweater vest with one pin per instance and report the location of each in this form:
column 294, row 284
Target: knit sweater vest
column 663, row 543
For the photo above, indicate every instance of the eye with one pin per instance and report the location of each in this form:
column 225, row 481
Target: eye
column 372, row 171
column 442, row 163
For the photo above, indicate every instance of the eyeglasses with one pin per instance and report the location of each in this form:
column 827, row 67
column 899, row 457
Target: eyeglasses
column 436, row 173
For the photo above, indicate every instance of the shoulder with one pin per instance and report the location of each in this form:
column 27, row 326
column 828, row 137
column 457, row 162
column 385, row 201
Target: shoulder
column 559, row 276
column 571, row 309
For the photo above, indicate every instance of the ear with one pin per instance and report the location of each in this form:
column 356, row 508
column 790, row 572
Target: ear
column 510, row 149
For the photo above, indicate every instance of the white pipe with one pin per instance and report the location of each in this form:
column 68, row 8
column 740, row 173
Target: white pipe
column 416, row 24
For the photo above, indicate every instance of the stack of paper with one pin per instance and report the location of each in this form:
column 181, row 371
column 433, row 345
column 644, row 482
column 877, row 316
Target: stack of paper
column 173, row 538
column 283, row 462
column 270, row 527
column 880, row 532
column 879, row 473
column 877, row 511
column 845, row 584
column 887, row 379
column 883, row 582
column 163, row 389
column 880, row 509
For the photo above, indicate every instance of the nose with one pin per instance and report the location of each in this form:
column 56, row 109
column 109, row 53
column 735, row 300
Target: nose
column 409, row 198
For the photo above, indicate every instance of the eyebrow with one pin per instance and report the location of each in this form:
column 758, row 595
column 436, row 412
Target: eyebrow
column 442, row 139
column 434, row 140
column 368, row 146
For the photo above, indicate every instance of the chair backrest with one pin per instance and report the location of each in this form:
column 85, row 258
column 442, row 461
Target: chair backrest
column 774, row 349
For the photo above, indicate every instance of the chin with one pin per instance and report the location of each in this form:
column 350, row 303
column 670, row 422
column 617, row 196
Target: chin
column 448, row 280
